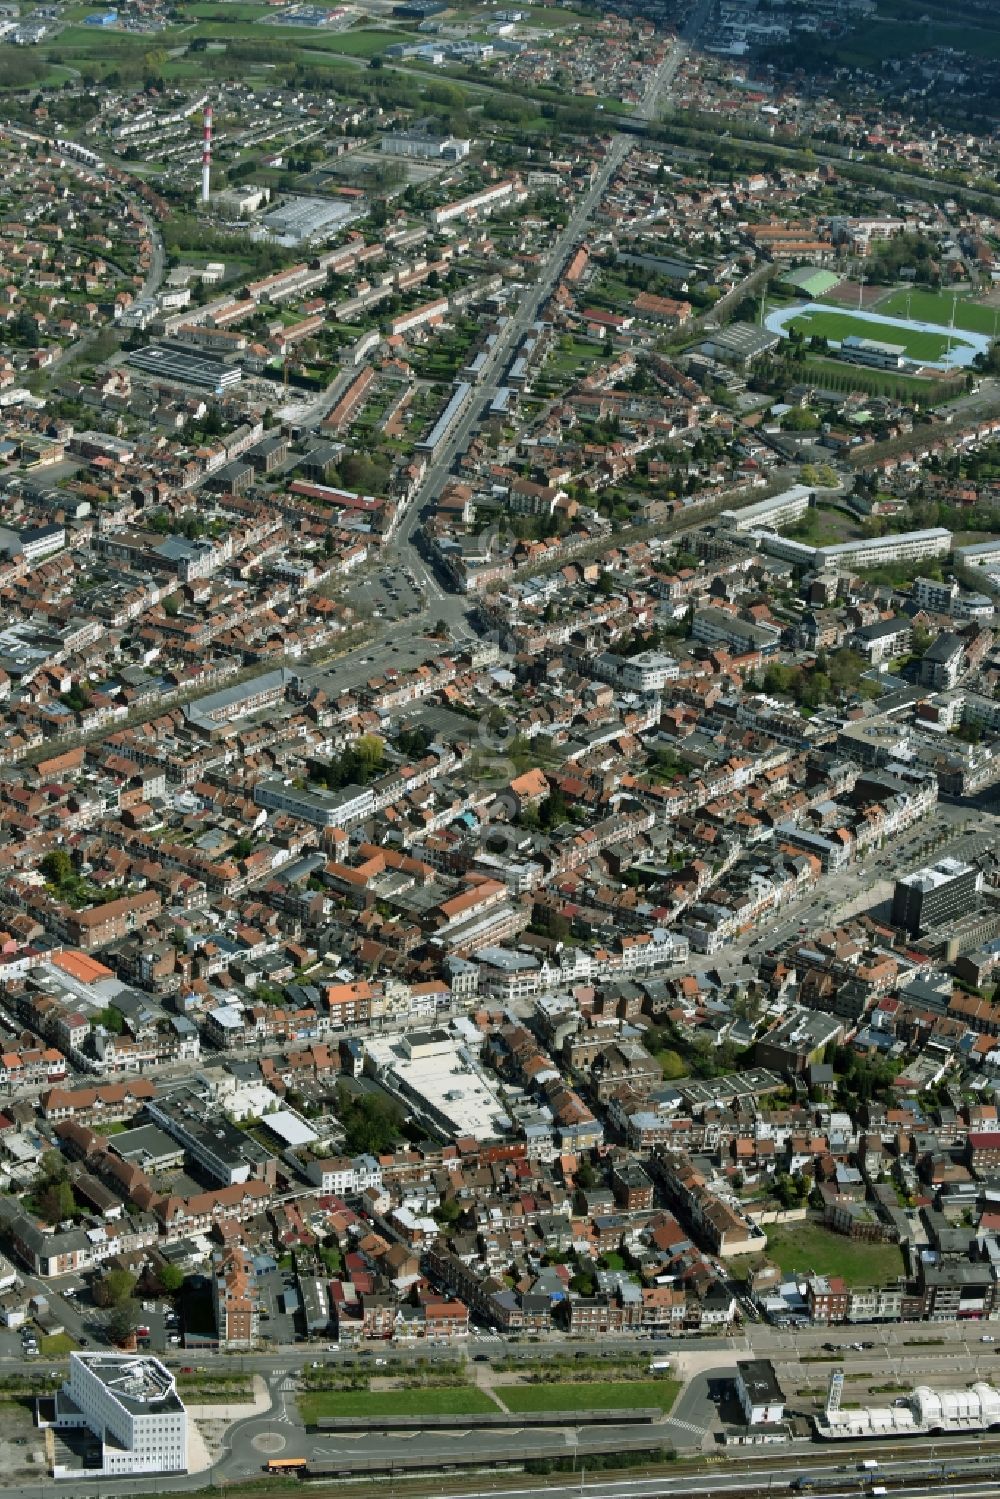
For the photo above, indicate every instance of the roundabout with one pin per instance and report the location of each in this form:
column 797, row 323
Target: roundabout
column 268, row 1442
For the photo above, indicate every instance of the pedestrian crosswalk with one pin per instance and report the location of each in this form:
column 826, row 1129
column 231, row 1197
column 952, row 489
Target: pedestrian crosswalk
column 698, row 1431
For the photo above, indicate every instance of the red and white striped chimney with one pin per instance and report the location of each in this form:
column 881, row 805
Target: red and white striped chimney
column 206, row 154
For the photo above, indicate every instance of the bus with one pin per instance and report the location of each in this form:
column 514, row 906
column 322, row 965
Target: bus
column 284, row 1465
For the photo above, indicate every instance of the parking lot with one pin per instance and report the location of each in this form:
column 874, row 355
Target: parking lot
column 394, row 591
column 276, row 1325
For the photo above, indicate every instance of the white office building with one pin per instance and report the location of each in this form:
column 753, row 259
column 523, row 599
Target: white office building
column 425, row 146
column 130, row 1405
column 778, row 510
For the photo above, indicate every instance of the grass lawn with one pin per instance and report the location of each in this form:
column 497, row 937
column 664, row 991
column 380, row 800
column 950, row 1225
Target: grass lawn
column 874, row 42
column 933, row 307
column 822, row 526
column 625, row 1395
column 810, row 1246
column 57, row 1345
column 226, row 13
column 456, row 1400
column 360, row 43
column 840, row 325
column 569, row 354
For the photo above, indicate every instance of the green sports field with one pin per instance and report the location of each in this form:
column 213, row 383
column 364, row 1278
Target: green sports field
column 933, row 307
column 837, row 326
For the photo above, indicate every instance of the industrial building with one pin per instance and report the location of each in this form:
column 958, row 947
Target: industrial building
column 301, row 220
column 924, row 1412
column 131, row 1407
column 938, row 893
column 178, row 366
column 739, row 344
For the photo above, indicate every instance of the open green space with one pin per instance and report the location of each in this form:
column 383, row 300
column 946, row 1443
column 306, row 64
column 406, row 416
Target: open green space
column 569, row 353
column 57, row 1345
column 836, row 326
column 225, row 13
column 360, row 43
column 452, row 1400
column 874, row 42
column 810, row 1246
column 935, row 307
column 823, row 526
column 626, row 1395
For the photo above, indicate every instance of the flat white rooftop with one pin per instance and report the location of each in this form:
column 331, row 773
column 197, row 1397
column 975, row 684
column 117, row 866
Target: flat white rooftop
column 450, row 1084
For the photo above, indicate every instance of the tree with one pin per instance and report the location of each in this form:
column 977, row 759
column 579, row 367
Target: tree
column 57, row 866
column 371, row 1121
column 585, row 1176
column 57, row 1202
column 171, row 1278
column 921, row 639
column 369, row 750
column 123, row 1321
column 115, row 1288
column 53, row 1166
column 583, row 1283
